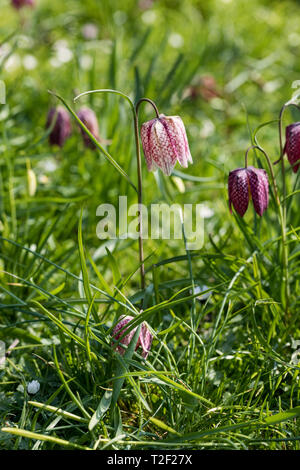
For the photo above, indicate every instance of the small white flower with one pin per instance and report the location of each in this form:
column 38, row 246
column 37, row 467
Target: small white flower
column 149, row 17
column 199, row 290
column 30, row 62
column 33, row 387
column 176, row 40
column 86, row 62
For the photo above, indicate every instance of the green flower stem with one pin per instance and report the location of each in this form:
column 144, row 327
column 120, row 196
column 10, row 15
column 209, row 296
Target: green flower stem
column 139, row 189
column 281, row 220
column 140, row 185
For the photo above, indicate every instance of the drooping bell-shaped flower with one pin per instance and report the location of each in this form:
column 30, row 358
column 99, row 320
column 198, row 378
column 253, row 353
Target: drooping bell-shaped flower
column 22, row 3
column 89, row 119
column 62, row 127
column 164, row 143
column 247, row 183
column 144, row 340
column 292, row 145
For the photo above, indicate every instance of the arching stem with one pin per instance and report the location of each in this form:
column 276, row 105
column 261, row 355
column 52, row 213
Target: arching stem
column 135, row 112
column 140, row 185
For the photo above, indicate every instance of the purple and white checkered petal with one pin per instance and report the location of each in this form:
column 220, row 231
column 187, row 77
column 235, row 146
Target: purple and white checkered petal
column 89, row 119
column 264, row 179
column 238, row 190
column 292, row 144
column 145, row 137
column 259, row 188
column 119, row 331
column 62, row 127
column 162, row 148
column 184, row 154
column 145, row 340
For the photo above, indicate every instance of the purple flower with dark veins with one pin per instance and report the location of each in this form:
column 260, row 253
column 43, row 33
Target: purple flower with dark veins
column 164, row 143
column 144, row 340
column 292, row 145
column 62, row 127
column 247, row 183
column 89, row 119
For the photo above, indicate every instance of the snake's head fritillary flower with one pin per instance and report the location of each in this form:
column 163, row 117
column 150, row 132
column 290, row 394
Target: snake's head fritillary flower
column 144, row 340
column 292, row 144
column 22, row 3
column 61, row 128
column 164, row 143
column 247, row 183
column 89, row 119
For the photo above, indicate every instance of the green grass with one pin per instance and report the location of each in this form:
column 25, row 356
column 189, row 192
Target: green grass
column 221, row 374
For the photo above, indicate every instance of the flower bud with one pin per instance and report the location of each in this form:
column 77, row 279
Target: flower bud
column 164, row 142
column 89, row 119
column 22, row 3
column 292, row 144
column 144, row 340
column 62, row 127
column 244, row 183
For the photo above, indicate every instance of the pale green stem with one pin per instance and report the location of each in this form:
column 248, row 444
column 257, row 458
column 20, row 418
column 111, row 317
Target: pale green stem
column 282, row 223
column 140, row 186
column 139, row 190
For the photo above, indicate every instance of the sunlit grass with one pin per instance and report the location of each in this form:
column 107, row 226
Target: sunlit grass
column 222, row 373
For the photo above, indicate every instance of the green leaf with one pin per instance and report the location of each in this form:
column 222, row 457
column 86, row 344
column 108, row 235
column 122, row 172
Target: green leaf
column 101, row 409
column 95, row 141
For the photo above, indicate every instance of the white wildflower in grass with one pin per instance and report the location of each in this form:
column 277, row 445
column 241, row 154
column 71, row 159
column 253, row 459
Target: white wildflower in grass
column 33, row 387
column 86, row 62
column 149, row 17
column 13, row 63
column 176, row 40
column 199, row 290
column 29, row 62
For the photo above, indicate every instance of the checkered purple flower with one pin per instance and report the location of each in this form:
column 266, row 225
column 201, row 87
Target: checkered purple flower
column 292, row 145
column 89, row 119
column 164, row 143
column 144, row 340
column 62, row 127
column 22, row 3
column 247, row 183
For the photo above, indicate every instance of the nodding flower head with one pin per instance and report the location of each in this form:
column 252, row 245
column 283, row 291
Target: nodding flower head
column 247, row 183
column 22, row 3
column 292, row 144
column 89, row 119
column 164, row 142
column 144, row 340
column 62, row 127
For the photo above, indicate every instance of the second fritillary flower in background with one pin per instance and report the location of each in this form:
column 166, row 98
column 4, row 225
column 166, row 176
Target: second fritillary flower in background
column 164, row 143
column 22, row 3
column 89, row 119
column 292, row 144
column 61, row 129
column 144, row 340
column 247, row 183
